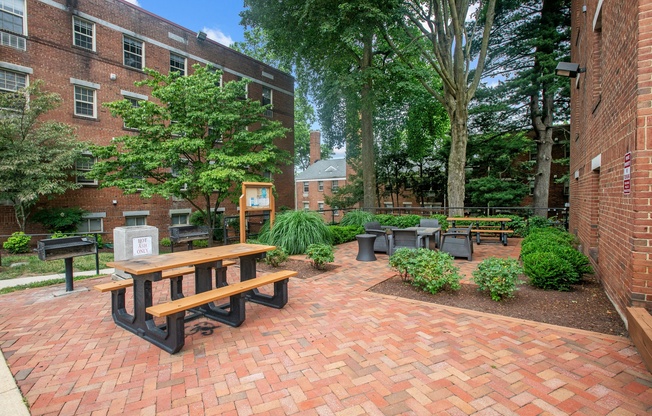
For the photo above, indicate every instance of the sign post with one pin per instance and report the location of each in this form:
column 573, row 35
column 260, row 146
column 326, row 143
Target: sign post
column 627, row 172
column 256, row 196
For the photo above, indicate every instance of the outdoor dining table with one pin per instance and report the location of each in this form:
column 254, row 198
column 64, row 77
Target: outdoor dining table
column 426, row 232
column 147, row 269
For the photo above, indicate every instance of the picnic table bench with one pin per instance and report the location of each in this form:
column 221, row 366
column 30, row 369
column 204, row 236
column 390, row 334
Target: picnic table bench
column 502, row 232
column 170, row 336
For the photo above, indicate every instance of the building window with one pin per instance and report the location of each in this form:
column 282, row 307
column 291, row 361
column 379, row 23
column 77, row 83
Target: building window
column 12, row 81
column 133, row 52
column 84, row 101
column 407, row 204
column 267, row 100
column 177, row 64
column 388, row 204
column 335, row 186
column 85, row 164
column 179, row 218
column 83, row 33
column 12, row 14
column 135, row 220
column 336, row 212
column 306, row 205
column 320, row 206
column 306, row 186
column 91, row 224
column 321, row 186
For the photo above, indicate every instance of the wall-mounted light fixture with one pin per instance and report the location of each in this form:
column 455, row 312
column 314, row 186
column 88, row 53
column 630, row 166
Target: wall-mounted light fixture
column 115, row 202
column 201, row 36
column 568, row 69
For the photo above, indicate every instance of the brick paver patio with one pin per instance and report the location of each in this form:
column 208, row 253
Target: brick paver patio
column 334, row 349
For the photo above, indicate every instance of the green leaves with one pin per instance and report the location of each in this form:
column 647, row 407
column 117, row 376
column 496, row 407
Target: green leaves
column 498, row 276
column 37, row 156
column 198, row 140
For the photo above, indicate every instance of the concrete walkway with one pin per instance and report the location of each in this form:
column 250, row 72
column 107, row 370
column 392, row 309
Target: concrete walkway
column 33, row 279
column 335, row 349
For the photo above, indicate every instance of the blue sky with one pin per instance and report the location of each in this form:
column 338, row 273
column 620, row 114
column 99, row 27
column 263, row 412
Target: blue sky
column 218, row 18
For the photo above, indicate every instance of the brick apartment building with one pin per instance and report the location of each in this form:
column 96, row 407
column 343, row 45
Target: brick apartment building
column 91, row 52
column 611, row 144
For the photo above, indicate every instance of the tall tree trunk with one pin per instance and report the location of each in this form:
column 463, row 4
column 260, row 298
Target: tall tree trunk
column 457, row 158
column 542, row 123
column 366, row 127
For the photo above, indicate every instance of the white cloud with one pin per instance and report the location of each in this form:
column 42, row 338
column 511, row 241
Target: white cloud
column 134, row 2
column 218, row 36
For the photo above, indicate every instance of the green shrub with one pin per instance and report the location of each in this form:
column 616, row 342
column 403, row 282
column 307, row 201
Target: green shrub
column 198, row 218
column 320, row 254
column 548, row 271
column 294, row 231
column 200, row 243
column 275, row 257
column 498, row 276
column 357, row 218
column 59, row 234
column 400, row 221
column 165, row 242
column 429, row 270
column 59, row 219
column 17, row 243
column 345, row 234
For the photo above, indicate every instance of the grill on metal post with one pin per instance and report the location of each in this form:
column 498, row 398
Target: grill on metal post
column 66, row 248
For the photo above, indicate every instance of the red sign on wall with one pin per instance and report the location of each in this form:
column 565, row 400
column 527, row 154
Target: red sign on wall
column 627, row 174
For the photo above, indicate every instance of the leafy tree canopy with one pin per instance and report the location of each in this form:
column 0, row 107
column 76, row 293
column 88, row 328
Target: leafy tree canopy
column 37, row 155
column 199, row 141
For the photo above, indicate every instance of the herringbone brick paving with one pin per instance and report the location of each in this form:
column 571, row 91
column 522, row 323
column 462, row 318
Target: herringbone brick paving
column 335, row 349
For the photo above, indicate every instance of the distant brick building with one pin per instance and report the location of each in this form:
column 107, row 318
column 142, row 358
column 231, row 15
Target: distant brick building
column 611, row 144
column 91, row 52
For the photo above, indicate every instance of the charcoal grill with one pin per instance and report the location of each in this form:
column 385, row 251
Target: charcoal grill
column 187, row 234
column 66, row 248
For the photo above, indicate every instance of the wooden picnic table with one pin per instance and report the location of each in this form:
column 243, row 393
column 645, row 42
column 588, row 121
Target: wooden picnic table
column 502, row 231
column 148, row 269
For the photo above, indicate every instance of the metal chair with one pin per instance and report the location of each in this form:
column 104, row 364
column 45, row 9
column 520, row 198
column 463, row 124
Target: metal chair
column 457, row 242
column 404, row 238
column 432, row 223
column 381, row 245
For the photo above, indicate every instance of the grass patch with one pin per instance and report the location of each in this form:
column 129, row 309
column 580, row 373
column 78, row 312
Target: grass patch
column 42, row 284
column 36, row 267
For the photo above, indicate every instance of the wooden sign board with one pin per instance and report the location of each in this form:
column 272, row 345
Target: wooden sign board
column 256, row 196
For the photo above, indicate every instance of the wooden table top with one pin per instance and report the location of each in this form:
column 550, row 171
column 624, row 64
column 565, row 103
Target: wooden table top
column 151, row 264
column 478, row 219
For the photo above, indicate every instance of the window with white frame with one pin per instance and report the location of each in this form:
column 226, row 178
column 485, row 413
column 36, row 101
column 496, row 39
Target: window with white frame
column 335, row 186
column 336, row 212
column 91, row 223
column 177, row 64
column 133, row 52
column 388, row 204
column 321, row 186
column 306, row 187
column 83, row 33
column 306, row 205
column 320, row 206
column 179, row 218
column 12, row 81
column 135, row 220
column 84, row 101
column 12, row 16
column 85, row 164
column 407, row 204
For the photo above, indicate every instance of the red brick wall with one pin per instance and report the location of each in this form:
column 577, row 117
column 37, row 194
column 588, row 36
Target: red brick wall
column 53, row 59
column 609, row 114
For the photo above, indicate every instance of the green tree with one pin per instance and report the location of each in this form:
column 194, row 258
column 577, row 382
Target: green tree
column 256, row 46
column 531, row 37
column 37, row 155
column 439, row 33
column 199, row 142
column 336, row 42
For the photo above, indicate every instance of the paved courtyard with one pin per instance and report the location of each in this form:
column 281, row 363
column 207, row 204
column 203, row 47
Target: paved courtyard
column 335, row 349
